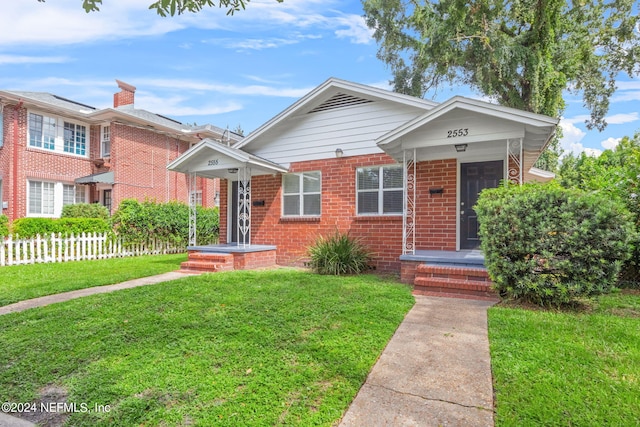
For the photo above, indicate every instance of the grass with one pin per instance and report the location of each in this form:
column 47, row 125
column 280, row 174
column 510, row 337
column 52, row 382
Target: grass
column 280, row 347
column 577, row 368
column 22, row 282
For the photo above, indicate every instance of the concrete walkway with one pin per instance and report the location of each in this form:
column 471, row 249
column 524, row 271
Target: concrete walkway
column 66, row 296
column 435, row 371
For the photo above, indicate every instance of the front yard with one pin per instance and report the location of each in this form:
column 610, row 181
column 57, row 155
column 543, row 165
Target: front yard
column 279, row 347
column 285, row 347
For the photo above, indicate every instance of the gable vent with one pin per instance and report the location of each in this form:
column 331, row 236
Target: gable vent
column 340, row 100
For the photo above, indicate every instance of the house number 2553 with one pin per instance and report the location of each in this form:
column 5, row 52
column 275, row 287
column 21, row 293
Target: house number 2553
column 212, row 162
column 453, row 133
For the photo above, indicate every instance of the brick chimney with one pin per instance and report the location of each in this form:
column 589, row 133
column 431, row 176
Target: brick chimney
column 125, row 96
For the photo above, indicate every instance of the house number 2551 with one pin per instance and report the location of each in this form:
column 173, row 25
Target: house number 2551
column 453, row 133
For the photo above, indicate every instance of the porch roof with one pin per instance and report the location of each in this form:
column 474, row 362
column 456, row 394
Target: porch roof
column 96, row 178
column 486, row 126
column 211, row 159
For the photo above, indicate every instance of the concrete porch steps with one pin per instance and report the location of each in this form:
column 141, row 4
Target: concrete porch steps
column 207, row 262
column 453, row 281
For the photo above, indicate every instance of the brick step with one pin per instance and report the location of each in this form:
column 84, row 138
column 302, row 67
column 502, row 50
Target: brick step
column 445, row 283
column 210, row 256
column 453, row 281
column 461, row 273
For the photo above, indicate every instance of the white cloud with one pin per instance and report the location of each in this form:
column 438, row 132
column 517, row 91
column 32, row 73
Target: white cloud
column 65, row 22
column 229, row 89
column 611, row 143
column 618, row 119
column 571, row 136
column 175, row 106
column 30, row 22
column 22, row 59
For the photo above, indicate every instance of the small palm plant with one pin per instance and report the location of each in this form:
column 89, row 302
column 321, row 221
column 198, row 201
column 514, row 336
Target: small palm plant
column 339, row 254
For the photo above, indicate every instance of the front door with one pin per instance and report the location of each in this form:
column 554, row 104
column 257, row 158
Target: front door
column 474, row 177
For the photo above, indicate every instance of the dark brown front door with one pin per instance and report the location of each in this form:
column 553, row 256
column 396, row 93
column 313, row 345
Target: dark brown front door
column 474, row 177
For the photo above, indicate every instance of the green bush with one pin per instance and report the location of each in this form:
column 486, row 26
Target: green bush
column 4, row 225
column 338, row 254
column 31, row 227
column 169, row 222
column 550, row 245
column 85, row 210
column 614, row 174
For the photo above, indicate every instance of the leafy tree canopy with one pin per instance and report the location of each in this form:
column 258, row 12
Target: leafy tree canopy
column 523, row 53
column 173, row 7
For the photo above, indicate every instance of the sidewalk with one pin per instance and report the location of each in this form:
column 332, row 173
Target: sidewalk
column 66, row 296
column 435, row 371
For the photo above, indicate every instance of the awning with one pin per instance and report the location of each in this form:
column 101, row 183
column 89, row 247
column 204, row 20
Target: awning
column 96, row 178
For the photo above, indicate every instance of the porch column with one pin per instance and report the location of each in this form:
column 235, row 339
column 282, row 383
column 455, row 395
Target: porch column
column 409, row 196
column 191, row 184
column 514, row 159
column 244, row 207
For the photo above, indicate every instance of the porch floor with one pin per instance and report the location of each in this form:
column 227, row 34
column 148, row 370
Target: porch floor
column 230, row 248
column 466, row 258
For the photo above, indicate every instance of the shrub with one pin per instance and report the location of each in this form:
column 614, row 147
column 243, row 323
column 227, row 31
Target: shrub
column 339, row 254
column 85, row 210
column 614, row 174
column 4, row 225
column 31, row 227
column 169, row 222
column 550, row 245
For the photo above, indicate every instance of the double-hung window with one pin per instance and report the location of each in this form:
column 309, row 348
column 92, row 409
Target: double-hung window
column 41, row 198
column 72, row 194
column 42, row 131
column 379, row 190
column 105, row 141
column 301, row 194
column 75, row 138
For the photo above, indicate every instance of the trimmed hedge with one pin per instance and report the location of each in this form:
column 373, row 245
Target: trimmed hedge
column 550, row 245
column 169, row 222
column 85, row 210
column 31, row 227
column 4, row 225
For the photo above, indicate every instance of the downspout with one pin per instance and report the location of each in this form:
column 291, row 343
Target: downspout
column 16, row 140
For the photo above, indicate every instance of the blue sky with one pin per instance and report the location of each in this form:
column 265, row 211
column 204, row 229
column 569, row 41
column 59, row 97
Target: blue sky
column 230, row 71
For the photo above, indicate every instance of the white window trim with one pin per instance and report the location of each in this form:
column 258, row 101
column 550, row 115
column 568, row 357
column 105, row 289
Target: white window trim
column 301, row 195
column 103, row 152
column 58, row 198
column 59, row 134
column 380, row 192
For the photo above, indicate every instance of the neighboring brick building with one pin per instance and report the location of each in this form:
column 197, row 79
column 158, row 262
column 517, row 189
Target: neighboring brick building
column 399, row 172
column 55, row 151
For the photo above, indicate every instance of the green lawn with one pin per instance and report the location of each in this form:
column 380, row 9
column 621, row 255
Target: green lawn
column 567, row 369
column 279, row 347
column 22, row 282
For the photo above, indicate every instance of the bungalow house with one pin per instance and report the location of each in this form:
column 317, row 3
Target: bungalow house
column 56, row 151
column 398, row 172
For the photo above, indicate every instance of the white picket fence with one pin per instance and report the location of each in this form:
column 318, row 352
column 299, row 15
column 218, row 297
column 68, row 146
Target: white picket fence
column 60, row 248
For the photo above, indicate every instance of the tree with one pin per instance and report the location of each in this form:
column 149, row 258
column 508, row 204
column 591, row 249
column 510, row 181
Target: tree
column 522, row 53
column 173, row 7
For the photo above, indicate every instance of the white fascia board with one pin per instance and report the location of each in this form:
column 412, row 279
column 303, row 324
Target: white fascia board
column 334, row 83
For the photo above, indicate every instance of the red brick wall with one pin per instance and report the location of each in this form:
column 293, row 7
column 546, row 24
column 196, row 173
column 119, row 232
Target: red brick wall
column 138, row 157
column 436, row 228
column 436, row 214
